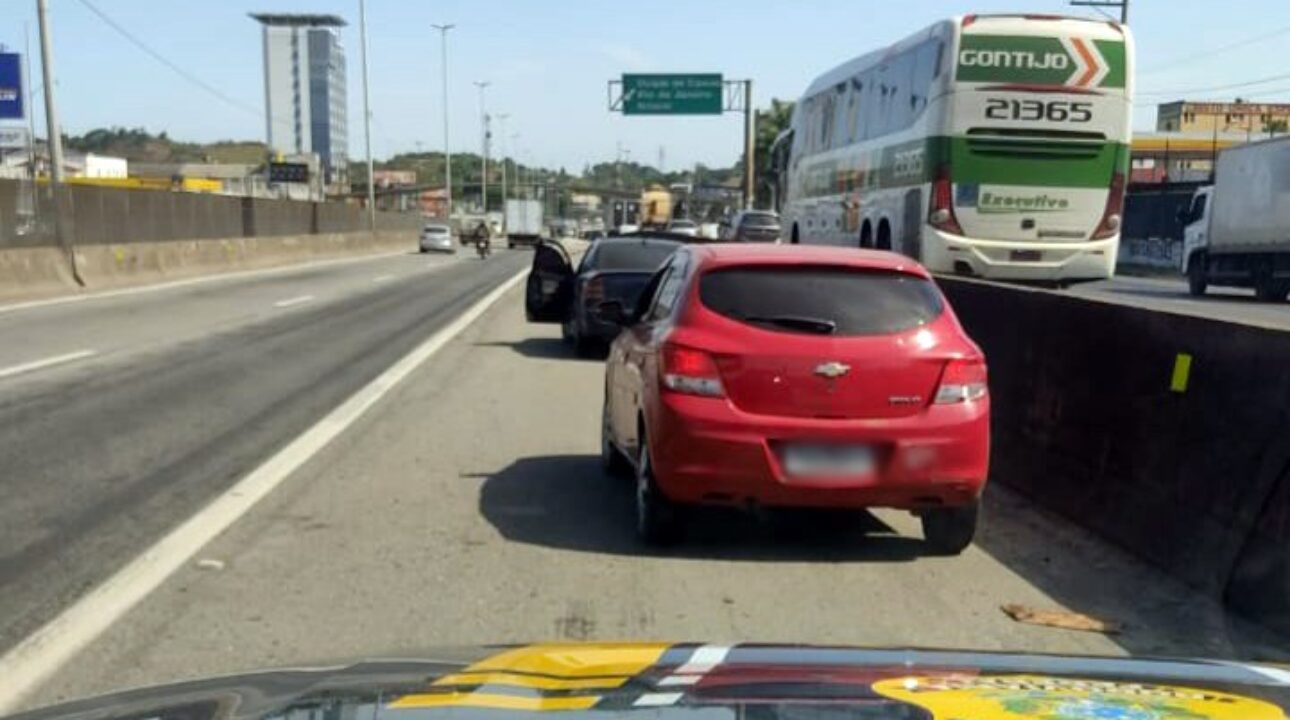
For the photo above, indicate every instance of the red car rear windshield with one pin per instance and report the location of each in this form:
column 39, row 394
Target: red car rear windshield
column 821, row 300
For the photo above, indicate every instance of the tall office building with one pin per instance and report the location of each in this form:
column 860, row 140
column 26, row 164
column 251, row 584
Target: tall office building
column 304, row 88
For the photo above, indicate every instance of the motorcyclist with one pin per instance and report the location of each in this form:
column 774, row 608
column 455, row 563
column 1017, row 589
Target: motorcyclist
column 483, row 241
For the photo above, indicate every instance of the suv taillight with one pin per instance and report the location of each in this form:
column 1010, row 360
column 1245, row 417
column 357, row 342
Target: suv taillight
column 689, row 371
column 940, row 214
column 1112, row 216
column 962, row 381
column 593, row 293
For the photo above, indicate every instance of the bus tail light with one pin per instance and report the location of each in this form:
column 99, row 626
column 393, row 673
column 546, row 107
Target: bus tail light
column 940, row 215
column 1112, row 216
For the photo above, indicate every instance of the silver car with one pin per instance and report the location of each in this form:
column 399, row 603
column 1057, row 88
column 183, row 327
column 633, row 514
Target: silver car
column 437, row 237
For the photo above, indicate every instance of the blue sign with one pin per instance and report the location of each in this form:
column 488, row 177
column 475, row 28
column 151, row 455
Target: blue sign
column 11, row 87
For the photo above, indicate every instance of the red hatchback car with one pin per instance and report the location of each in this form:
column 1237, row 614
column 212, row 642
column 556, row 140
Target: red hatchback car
column 792, row 376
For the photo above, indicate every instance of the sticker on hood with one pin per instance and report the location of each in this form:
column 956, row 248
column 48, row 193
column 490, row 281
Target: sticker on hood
column 1018, row 697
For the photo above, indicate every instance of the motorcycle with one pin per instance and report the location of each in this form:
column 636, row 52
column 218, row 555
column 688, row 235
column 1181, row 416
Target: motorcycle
column 483, row 247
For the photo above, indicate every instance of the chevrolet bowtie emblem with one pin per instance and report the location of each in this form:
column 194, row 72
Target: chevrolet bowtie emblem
column 832, row 370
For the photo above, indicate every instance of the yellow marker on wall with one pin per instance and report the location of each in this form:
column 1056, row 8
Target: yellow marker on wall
column 1182, row 373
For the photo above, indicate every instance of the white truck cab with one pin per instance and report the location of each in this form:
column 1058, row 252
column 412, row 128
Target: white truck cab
column 1236, row 233
column 1196, row 227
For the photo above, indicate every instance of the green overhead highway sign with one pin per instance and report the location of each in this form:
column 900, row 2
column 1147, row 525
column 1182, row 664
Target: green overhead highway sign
column 657, row 94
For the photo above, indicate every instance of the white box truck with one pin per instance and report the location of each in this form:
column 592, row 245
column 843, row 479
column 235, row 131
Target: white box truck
column 523, row 222
column 1237, row 231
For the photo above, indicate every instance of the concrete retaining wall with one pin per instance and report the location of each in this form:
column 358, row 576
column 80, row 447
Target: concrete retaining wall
column 44, row 271
column 1092, row 420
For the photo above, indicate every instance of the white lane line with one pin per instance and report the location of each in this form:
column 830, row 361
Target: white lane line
column 42, row 653
column 45, row 362
column 293, row 301
column 215, row 278
column 382, row 278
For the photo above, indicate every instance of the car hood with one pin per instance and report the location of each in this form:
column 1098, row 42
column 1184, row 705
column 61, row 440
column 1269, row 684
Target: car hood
column 695, row 681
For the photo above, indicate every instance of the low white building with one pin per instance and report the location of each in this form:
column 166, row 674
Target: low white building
column 103, row 166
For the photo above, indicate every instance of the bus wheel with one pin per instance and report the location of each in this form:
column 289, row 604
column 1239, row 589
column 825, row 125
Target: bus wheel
column 884, row 236
column 866, row 235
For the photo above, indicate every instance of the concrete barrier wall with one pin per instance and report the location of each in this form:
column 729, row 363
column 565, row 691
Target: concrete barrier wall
column 103, row 215
column 1094, row 419
column 36, row 272
column 30, row 272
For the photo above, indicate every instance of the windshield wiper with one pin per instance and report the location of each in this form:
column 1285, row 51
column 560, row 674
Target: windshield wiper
column 819, row 326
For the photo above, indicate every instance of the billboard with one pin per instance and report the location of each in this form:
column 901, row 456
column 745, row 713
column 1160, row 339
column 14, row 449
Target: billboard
column 286, row 172
column 11, row 87
column 13, row 138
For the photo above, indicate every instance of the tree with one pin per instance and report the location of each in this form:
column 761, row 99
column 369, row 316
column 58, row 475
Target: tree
column 770, row 123
column 1275, row 127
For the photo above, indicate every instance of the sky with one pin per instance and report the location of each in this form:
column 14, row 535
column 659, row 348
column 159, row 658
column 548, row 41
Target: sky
column 548, row 62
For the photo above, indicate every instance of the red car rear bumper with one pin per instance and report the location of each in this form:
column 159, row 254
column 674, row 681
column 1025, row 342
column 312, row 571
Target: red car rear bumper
column 707, row 451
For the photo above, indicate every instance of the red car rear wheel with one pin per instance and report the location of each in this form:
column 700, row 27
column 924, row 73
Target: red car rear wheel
column 657, row 519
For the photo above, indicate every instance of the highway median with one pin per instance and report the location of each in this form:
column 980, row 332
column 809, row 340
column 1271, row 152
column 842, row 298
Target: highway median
column 1163, row 432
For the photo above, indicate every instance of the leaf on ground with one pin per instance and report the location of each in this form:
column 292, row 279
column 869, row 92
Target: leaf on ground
column 1064, row 619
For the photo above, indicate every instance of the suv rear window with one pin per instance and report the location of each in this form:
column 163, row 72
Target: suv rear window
column 821, row 300
column 759, row 220
column 643, row 256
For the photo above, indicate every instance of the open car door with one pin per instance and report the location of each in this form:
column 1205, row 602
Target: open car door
column 548, row 296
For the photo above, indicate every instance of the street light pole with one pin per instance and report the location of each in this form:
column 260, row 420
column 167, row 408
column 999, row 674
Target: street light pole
column 447, row 151
column 367, row 120
column 483, row 122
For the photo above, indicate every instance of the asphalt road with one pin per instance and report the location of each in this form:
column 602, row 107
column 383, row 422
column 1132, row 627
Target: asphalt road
column 468, row 507
column 1170, row 295
column 121, row 415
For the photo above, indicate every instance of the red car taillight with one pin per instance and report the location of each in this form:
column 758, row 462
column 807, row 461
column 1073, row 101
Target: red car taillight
column 690, row 371
column 941, row 213
column 962, row 381
column 1111, row 217
column 593, row 293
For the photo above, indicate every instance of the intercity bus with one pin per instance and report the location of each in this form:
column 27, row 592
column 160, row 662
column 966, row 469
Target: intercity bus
column 988, row 145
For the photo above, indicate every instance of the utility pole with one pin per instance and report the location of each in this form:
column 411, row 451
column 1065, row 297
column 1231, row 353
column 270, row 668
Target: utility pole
column 367, row 120
column 1122, row 4
column 447, row 151
column 483, row 123
column 55, row 141
column 51, row 110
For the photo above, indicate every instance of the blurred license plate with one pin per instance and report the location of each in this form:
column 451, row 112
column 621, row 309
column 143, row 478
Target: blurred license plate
column 1026, row 256
column 812, row 460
